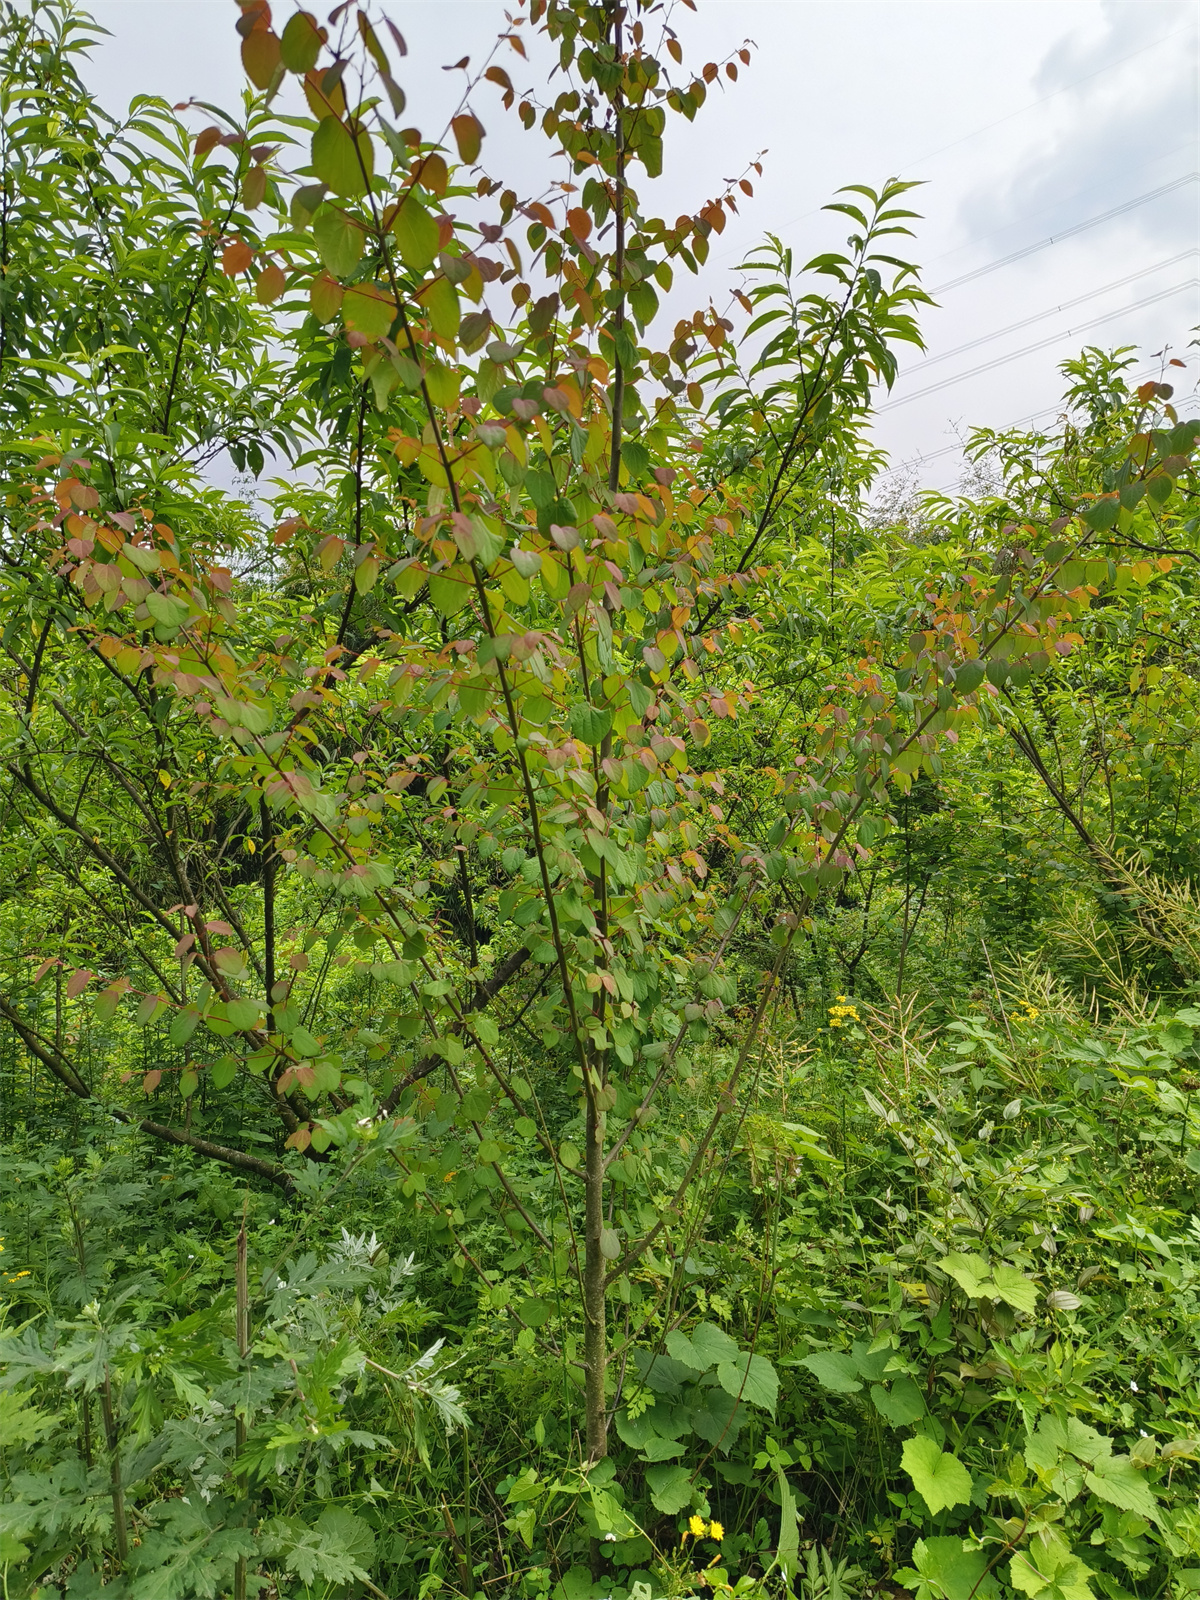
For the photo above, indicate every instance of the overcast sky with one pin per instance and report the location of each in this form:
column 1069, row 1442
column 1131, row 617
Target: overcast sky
column 1072, row 121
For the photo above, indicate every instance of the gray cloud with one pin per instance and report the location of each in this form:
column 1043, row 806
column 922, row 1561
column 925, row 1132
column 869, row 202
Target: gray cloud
column 1126, row 109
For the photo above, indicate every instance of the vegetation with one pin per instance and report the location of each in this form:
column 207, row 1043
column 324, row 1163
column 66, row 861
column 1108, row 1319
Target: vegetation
column 585, row 1012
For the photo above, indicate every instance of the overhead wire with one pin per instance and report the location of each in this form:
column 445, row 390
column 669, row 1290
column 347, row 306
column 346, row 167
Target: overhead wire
column 1042, row 344
column 1066, row 305
column 1066, row 233
column 959, row 447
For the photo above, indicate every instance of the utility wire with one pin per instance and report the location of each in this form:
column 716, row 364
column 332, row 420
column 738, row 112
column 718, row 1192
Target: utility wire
column 1042, row 344
column 1067, row 233
column 949, row 449
column 1067, row 305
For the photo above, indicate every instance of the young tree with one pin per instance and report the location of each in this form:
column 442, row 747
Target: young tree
column 408, row 822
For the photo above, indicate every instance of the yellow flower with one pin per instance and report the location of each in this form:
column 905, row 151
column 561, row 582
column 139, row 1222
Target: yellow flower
column 697, row 1527
column 716, row 1530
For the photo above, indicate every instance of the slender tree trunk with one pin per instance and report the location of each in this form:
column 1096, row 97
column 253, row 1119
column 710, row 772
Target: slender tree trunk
column 595, row 1329
column 242, row 1331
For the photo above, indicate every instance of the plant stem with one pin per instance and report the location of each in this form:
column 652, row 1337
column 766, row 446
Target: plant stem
column 117, row 1490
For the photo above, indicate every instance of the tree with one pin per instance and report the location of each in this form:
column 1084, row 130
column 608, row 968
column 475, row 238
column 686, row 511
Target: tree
column 419, row 821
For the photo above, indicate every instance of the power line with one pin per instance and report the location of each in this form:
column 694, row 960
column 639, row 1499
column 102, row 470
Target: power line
column 1067, row 233
column 1104, row 184
column 1067, row 305
column 1042, row 344
column 1017, row 422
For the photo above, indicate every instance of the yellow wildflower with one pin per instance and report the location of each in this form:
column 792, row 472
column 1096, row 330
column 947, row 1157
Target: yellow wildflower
column 716, row 1530
column 697, row 1527
column 839, row 1013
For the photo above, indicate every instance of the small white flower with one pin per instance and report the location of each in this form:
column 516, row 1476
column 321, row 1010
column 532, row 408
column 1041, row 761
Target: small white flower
column 1133, row 1386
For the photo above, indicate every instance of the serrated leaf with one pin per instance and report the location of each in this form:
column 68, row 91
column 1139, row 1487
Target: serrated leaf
column 834, row 1370
column 670, row 1488
column 969, row 1272
column 901, row 1405
column 938, row 1475
column 947, row 1571
column 752, row 1379
column 1014, row 1288
column 1117, row 1480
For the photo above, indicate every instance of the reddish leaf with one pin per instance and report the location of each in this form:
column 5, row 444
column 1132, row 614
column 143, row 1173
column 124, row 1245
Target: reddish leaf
column 78, row 982
column 50, row 961
column 260, row 57
column 579, row 222
column 325, row 297
column 254, row 187
column 235, row 258
column 151, row 1081
column 272, row 281
column 468, row 135
column 432, row 173
column 206, row 139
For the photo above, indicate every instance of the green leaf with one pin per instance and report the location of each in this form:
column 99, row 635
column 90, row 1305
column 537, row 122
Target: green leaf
column 679, row 1348
column 368, row 310
column 1070, row 1436
column 416, row 235
column 224, row 1072
column 339, row 240
column 670, row 1488
column 440, row 300
column 1014, row 1288
column 1102, row 514
column 833, row 1369
column 938, row 1476
column 243, row 1013
column 183, row 1026
column 1118, row 1481
column 339, row 159
column 969, row 676
column 969, row 1272
column 451, row 590
column 753, row 1378
column 20, row 1423
column 589, row 723
column 1047, row 1570
column 658, row 1449
column 167, row 609
column 787, row 1551
column 901, row 1405
column 713, row 1344
column 947, row 1571
column 300, row 42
